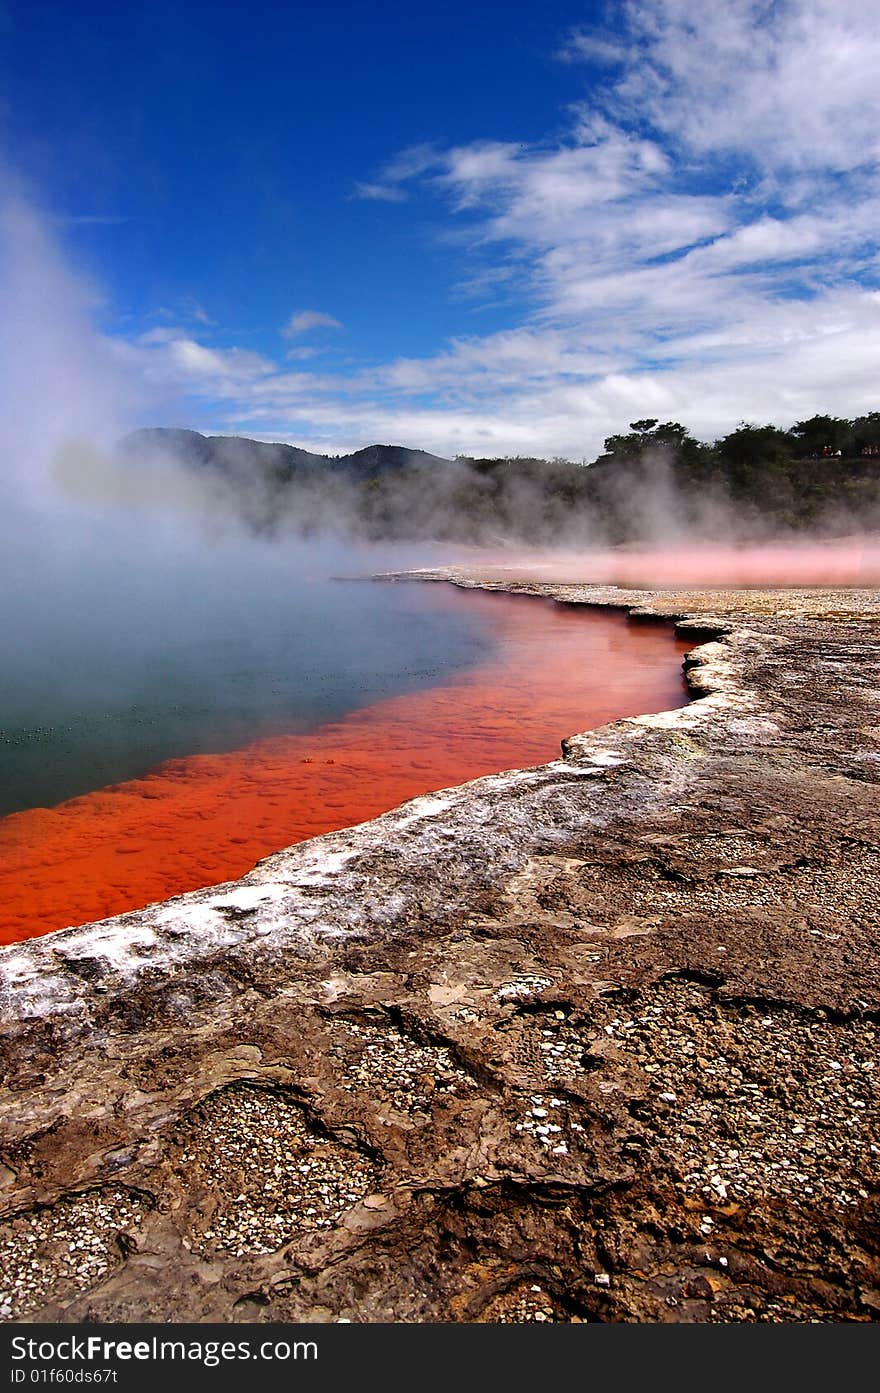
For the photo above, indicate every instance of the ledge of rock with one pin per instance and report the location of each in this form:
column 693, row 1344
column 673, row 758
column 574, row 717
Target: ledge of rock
column 593, row 1041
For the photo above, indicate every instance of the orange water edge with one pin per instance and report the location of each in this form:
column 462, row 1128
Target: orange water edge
column 206, row 819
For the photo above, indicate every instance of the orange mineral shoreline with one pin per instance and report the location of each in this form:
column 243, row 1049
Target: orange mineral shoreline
column 208, row 818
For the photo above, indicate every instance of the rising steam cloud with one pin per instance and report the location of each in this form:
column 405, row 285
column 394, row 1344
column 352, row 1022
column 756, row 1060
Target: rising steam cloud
column 129, row 591
column 75, row 507
column 60, row 381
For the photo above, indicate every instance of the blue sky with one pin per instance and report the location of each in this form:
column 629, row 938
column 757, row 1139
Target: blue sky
column 484, row 228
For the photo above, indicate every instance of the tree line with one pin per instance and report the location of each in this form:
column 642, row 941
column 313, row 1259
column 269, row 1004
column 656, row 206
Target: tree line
column 823, row 473
column 655, row 481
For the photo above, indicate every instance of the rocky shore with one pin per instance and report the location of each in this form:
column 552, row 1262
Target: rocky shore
column 595, row 1041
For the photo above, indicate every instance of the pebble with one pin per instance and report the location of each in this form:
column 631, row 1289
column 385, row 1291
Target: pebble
column 270, row 1175
column 804, row 1087
column 548, row 1134
column 815, row 1132
column 66, row 1247
column 407, row 1075
column 522, row 1305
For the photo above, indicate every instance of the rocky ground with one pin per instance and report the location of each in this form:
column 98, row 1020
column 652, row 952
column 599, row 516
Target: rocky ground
column 589, row 1042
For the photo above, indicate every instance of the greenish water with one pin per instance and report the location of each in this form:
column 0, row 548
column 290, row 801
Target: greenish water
column 109, row 669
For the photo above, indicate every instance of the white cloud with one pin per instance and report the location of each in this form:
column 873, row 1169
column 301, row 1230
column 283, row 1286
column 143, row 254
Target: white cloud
column 197, row 312
column 304, row 321
column 92, row 220
column 170, row 357
column 380, row 193
column 702, row 244
column 593, row 48
column 544, row 391
column 410, row 163
column 188, row 308
column 790, row 84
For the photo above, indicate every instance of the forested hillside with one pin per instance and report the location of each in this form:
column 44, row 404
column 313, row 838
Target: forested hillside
column 654, row 480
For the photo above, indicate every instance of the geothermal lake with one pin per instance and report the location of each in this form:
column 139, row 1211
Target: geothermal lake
column 164, row 736
column 99, row 695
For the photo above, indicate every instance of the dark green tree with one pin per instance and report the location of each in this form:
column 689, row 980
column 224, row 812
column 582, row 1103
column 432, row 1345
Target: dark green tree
column 866, row 431
column 755, row 460
column 649, row 434
column 753, row 445
column 823, row 435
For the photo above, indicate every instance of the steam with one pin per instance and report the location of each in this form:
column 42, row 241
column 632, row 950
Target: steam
column 132, row 581
column 143, row 617
column 839, row 562
column 59, row 380
column 93, row 538
column 68, row 395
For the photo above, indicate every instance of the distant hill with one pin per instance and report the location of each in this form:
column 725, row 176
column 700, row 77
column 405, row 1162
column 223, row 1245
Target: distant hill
column 654, row 482
column 276, row 486
column 233, row 452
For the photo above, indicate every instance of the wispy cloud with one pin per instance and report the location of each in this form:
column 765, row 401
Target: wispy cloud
column 188, row 310
column 91, row 220
column 409, row 164
column 413, row 161
column 788, row 84
column 380, row 193
column 197, row 312
column 170, row 357
column 702, row 243
column 304, row 321
column 582, row 47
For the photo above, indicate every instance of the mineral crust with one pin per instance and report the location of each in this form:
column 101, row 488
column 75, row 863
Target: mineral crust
column 594, row 1041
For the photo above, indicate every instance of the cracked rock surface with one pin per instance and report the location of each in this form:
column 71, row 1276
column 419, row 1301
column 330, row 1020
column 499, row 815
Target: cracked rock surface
column 595, row 1041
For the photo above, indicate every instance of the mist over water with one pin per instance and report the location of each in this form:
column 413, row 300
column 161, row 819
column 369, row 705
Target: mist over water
column 142, row 620
column 108, row 673
column 137, row 623
column 695, row 565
